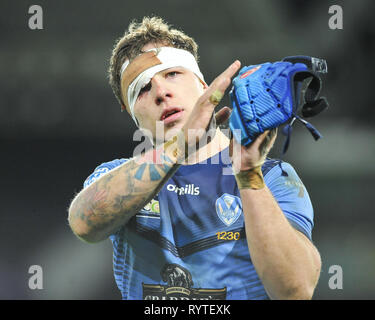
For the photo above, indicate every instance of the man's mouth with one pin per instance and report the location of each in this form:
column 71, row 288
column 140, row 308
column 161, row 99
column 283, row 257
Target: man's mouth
column 171, row 115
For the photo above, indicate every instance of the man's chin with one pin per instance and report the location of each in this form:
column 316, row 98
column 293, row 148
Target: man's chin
column 172, row 131
column 168, row 135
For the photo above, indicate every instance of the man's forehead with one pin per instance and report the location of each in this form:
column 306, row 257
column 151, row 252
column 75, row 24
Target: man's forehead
column 147, row 47
column 137, row 66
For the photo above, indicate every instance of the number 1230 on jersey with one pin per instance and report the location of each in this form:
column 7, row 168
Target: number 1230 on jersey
column 223, row 235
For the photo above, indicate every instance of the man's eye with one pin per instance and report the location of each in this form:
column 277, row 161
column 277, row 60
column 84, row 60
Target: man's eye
column 147, row 87
column 172, row 73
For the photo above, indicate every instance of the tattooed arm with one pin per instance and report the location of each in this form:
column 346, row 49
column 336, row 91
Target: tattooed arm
column 108, row 203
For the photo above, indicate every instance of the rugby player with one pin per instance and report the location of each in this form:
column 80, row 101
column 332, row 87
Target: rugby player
column 180, row 227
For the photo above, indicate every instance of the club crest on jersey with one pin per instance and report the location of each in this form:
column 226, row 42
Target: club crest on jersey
column 228, row 208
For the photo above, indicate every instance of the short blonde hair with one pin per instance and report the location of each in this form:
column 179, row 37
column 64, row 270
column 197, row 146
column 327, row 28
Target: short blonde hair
column 150, row 30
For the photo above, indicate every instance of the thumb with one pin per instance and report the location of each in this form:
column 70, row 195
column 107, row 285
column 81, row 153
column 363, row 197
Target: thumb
column 222, row 115
column 231, row 148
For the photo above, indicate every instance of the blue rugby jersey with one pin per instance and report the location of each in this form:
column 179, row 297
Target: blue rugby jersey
column 189, row 242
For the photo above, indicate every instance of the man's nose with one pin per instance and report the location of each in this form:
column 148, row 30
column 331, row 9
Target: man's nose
column 161, row 90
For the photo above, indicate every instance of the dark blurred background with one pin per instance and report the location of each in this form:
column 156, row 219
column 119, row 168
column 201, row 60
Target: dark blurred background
column 59, row 120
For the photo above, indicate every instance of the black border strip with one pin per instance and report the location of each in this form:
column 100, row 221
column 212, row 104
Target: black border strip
column 186, row 250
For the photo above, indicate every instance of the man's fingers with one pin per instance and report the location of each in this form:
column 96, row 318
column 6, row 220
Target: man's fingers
column 265, row 142
column 224, row 79
column 231, row 70
column 231, row 148
column 222, row 115
column 217, row 88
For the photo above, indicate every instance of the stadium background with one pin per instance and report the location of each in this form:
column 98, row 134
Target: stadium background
column 59, row 120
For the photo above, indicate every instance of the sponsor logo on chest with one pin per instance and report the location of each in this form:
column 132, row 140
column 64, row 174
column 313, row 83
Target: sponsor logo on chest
column 187, row 189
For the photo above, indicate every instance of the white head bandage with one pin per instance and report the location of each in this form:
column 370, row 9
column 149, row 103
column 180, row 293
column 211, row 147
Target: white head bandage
column 138, row 73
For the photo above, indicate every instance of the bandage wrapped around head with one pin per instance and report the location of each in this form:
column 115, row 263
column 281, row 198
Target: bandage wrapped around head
column 139, row 72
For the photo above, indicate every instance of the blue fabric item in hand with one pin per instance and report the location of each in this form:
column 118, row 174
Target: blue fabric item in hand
column 264, row 97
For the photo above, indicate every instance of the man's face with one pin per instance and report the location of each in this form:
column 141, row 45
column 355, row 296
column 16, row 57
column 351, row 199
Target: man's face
column 169, row 98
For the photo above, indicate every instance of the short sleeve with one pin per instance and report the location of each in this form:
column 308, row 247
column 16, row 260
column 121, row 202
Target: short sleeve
column 103, row 169
column 291, row 196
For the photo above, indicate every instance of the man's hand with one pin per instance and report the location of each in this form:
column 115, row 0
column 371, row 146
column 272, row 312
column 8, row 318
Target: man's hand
column 254, row 155
column 202, row 114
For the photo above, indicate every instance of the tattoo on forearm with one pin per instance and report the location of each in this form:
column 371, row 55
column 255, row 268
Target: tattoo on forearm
column 104, row 203
column 153, row 171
